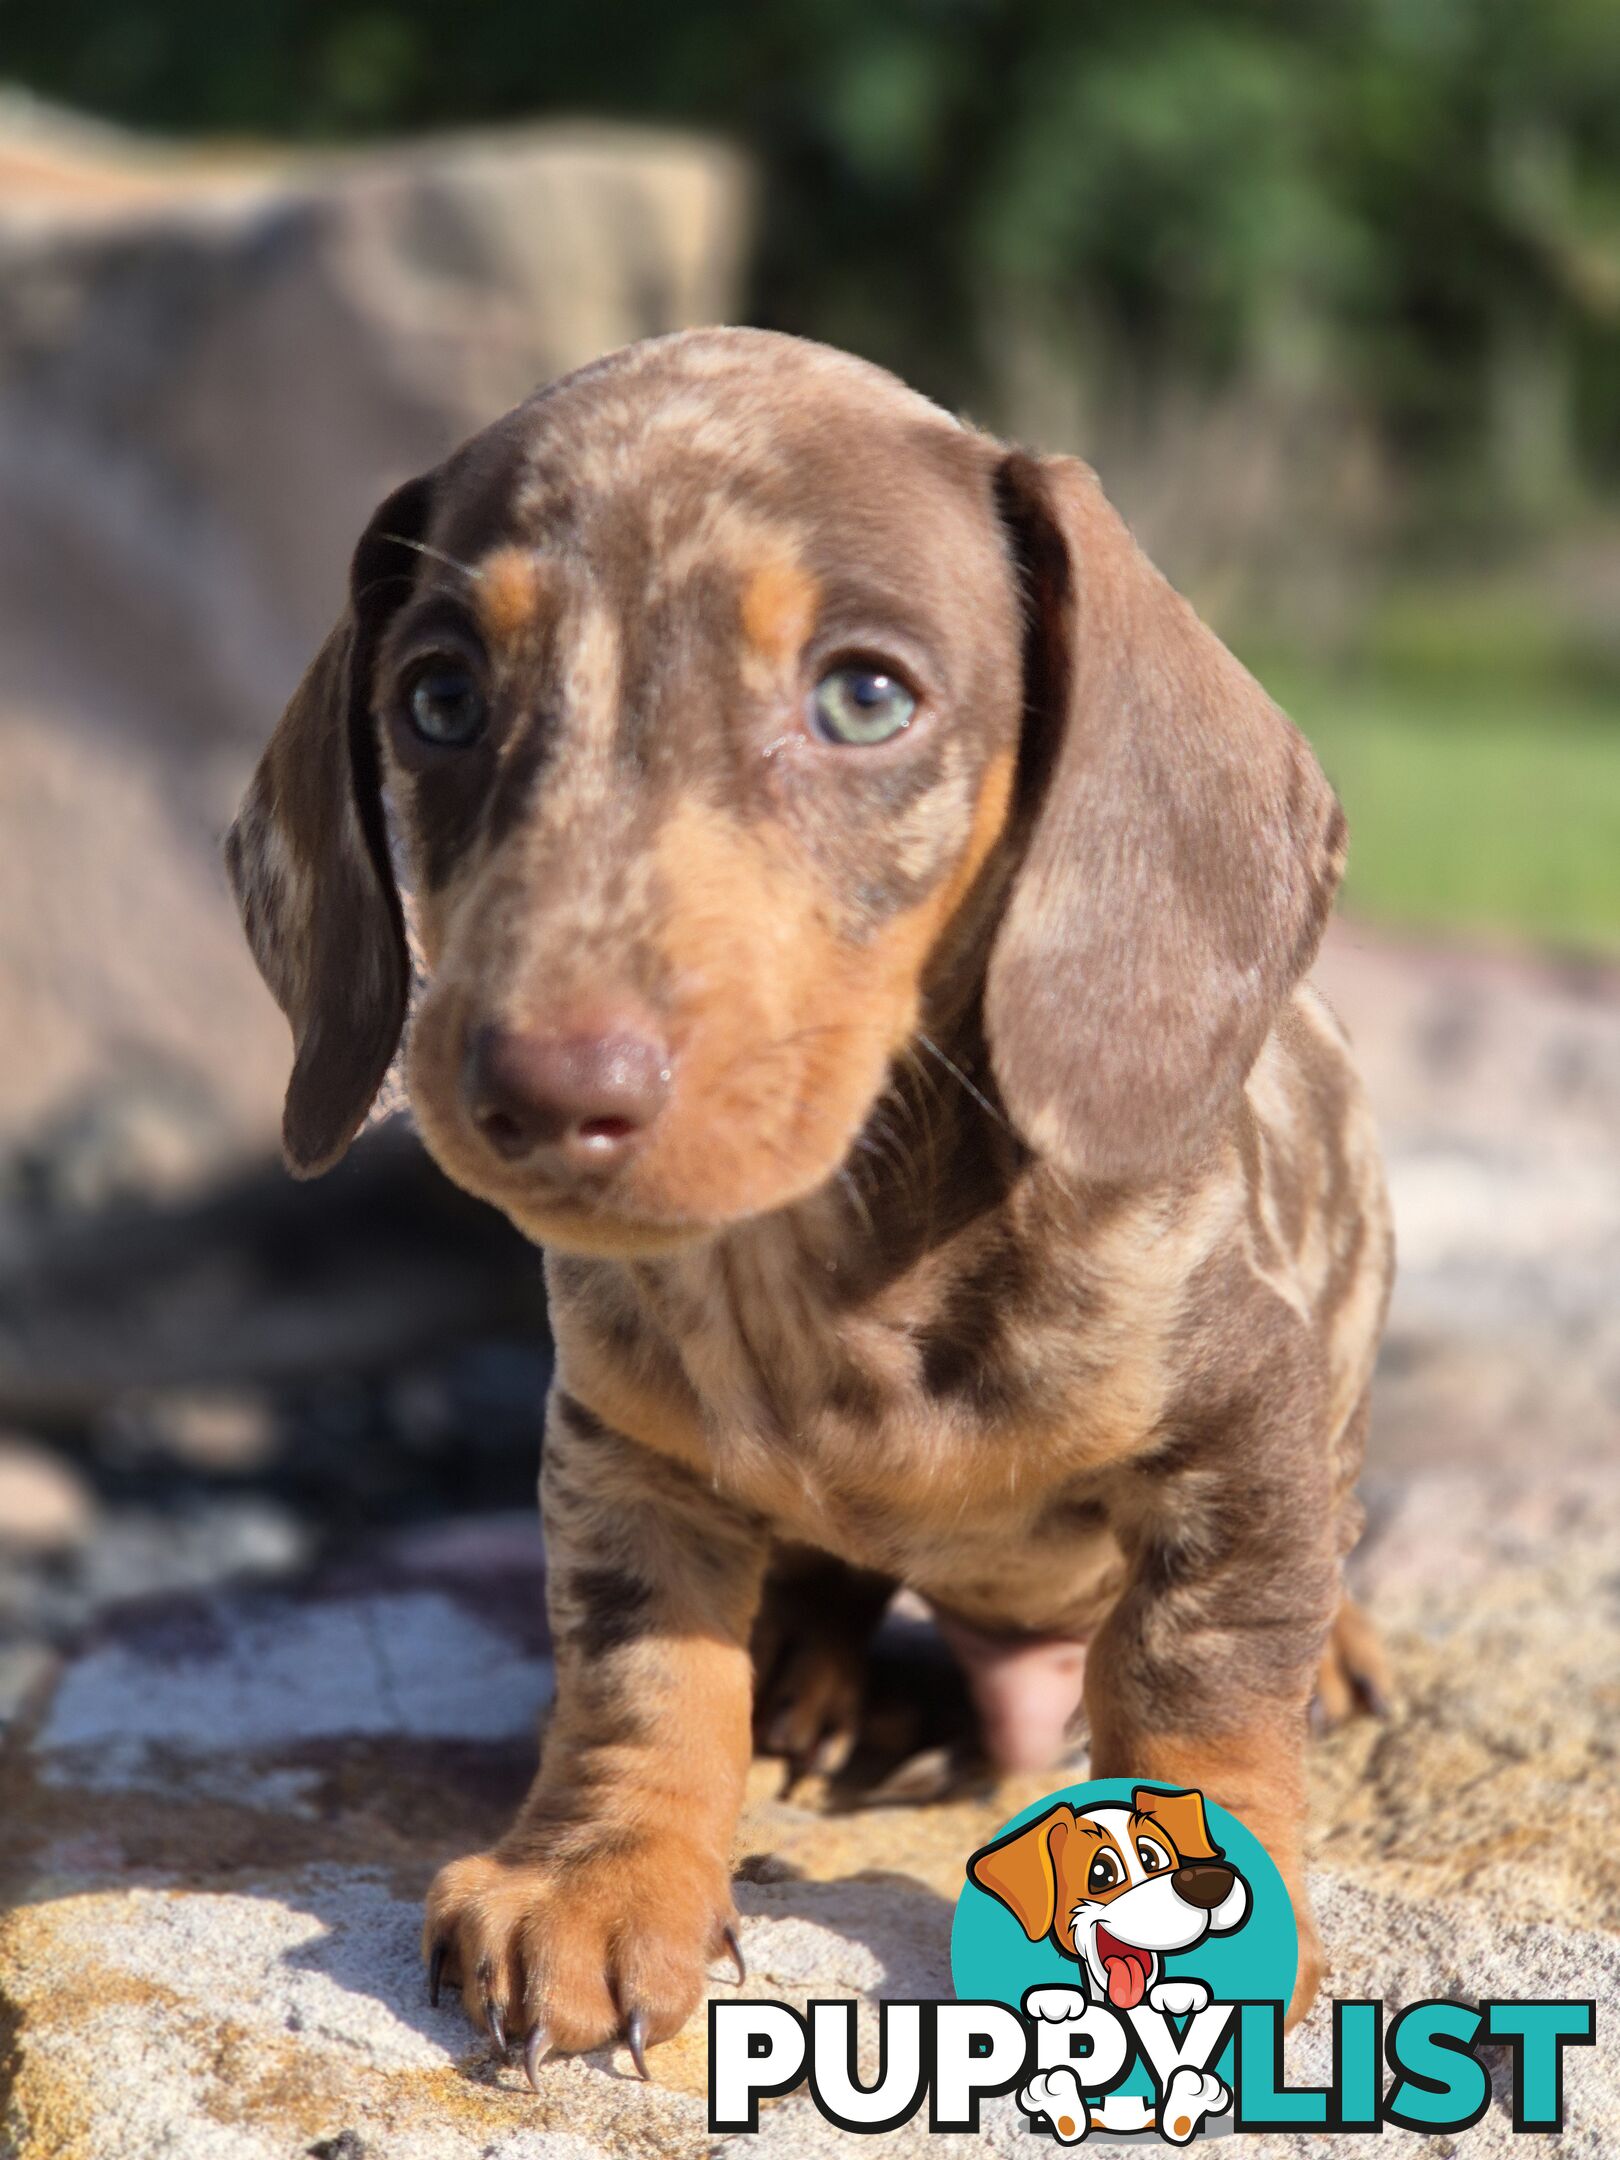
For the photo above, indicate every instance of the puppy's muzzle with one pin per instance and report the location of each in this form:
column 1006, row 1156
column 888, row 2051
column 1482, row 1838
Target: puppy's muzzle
column 568, row 1102
column 1205, row 1885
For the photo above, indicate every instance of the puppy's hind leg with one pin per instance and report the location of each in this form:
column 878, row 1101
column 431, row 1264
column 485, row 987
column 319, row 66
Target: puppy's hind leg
column 816, row 1621
column 1354, row 1675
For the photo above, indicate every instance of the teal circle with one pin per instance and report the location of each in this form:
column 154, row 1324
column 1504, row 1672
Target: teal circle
column 993, row 1960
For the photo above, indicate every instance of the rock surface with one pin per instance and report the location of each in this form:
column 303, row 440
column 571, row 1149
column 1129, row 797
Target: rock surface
column 218, row 1815
column 218, row 1836
column 212, row 367
column 43, row 1507
column 1497, row 1084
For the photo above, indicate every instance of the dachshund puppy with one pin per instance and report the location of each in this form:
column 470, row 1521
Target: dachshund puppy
column 862, row 916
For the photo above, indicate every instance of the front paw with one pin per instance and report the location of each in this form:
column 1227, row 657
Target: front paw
column 573, row 1949
column 1179, row 1998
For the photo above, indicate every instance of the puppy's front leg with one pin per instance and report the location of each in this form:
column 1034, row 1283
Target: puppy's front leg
column 600, row 1909
column 1201, row 1676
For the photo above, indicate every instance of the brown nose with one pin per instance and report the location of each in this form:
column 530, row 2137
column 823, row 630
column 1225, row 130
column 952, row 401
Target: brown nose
column 582, row 1099
column 1204, row 1885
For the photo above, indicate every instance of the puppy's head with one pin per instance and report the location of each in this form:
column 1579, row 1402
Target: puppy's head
column 1118, row 1888
column 740, row 712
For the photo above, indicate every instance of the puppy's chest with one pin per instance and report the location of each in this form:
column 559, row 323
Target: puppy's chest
column 973, row 1405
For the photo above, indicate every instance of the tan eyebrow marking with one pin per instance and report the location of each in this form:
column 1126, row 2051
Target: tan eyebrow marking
column 509, row 590
column 779, row 608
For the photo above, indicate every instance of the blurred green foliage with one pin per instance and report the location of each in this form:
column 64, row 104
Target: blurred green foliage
column 1413, row 202
column 1472, row 729
column 1484, row 806
column 1400, row 217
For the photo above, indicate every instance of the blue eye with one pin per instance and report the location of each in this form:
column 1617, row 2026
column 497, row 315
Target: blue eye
column 858, row 706
column 446, row 707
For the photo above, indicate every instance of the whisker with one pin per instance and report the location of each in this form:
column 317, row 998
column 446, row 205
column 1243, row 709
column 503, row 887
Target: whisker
column 981, row 1099
column 888, row 1150
column 924, row 1075
column 851, row 1185
column 423, row 547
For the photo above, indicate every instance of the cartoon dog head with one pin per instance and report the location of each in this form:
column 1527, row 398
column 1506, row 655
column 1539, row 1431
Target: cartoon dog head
column 1117, row 1888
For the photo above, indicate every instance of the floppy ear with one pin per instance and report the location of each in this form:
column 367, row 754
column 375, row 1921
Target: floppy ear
column 308, row 862
column 1021, row 1870
column 1181, row 1816
column 1182, row 860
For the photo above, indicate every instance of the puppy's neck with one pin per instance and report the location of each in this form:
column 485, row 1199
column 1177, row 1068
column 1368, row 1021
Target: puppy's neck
column 935, row 1154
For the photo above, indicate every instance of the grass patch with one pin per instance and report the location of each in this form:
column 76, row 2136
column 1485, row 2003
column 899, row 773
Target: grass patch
column 1476, row 804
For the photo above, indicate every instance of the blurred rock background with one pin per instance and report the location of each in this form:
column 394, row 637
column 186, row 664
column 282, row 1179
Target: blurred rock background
column 212, row 363
column 1334, row 304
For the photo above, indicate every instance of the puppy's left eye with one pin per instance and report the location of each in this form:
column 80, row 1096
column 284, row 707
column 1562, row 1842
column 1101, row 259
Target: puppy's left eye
column 859, row 706
column 1153, row 1857
column 445, row 706
column 1104, row 1872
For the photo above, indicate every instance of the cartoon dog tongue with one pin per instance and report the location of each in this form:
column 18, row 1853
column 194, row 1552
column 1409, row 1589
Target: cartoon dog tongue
column 1127, row 1969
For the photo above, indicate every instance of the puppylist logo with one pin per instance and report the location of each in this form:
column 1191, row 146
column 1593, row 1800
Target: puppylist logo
column 1123, row 1954
column 1118, row 1888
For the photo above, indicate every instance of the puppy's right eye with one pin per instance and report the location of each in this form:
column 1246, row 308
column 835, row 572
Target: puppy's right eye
column 1104, row 1874
column 445, row 705
column 860, row 707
